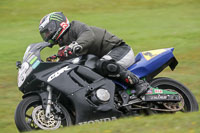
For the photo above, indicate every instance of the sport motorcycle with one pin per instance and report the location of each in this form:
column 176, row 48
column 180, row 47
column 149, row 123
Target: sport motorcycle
column 71, row 92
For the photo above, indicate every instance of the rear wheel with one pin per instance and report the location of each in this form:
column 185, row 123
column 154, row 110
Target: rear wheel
column 30, row 115
column 188, row 102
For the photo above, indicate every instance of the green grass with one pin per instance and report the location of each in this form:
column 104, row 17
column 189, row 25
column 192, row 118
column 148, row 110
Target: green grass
column 160, row 124
column 144, row 24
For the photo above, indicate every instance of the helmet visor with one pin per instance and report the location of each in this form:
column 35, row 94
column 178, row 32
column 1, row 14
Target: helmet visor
column 48, row 31
column 45, row 35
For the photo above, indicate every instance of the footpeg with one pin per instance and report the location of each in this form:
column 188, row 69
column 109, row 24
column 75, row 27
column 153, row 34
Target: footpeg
column 137, row 100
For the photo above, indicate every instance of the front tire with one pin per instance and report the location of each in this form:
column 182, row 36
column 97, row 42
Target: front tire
column 30, row 107
column 190, row 102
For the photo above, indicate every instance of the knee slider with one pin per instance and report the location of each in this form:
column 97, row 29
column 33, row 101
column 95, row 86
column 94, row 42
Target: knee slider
column 107, row 67
column 111, row 67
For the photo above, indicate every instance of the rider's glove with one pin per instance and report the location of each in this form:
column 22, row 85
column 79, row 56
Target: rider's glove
column 51, row 58
column 73, row 48
column 76, row 48
column 64, row 51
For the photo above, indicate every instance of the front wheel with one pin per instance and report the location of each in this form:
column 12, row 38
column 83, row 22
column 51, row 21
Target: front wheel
column 30, row 115
column 189, row 102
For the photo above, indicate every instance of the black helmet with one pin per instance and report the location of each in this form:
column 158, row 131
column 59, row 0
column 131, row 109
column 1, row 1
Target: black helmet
column 52, row 27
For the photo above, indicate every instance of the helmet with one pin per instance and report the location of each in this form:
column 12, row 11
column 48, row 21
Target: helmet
column 52, row 27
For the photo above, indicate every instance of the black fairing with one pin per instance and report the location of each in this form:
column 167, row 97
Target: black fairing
column 75, row 79
column 86, row 110
column 76, row 84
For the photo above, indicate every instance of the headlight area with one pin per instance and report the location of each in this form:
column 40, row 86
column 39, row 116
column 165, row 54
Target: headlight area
column 23, row 72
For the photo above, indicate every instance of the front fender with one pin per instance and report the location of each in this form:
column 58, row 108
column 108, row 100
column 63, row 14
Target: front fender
column 42, row 94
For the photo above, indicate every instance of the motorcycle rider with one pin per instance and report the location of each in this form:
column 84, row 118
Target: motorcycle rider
column 77, row 38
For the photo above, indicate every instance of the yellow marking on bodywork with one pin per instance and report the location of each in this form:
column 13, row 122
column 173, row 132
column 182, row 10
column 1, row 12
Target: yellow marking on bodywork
column 152, row 53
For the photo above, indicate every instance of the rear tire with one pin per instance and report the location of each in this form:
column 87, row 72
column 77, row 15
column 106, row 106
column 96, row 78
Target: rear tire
column 23, row 115
column 190, row 102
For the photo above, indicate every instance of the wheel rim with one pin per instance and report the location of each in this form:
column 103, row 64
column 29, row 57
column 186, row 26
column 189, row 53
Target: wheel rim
column 175, row 105
column 184, row 100
column 38, row 116
column 35, row 118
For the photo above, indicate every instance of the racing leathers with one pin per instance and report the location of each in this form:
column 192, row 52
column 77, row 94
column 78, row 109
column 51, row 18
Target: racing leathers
column 115, row 55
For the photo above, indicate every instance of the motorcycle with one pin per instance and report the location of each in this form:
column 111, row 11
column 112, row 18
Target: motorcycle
column 71, row 92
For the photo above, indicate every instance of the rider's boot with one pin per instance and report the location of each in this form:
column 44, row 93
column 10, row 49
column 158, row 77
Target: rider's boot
column 140, row 86
column 113, row 70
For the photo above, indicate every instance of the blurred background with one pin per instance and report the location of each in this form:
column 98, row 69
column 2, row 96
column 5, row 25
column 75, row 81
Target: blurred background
column 143, row 24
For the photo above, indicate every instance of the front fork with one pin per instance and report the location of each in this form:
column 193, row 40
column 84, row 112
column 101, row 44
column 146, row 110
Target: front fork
column 49, row 102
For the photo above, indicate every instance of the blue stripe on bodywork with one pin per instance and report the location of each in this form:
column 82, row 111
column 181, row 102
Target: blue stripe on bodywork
column 35, row 64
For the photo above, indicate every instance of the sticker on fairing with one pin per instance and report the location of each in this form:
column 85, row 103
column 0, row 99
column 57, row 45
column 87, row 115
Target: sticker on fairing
column 152, row 53
column 31, row 58
column 56, row 74
column 150, row 91
column 35, row 64
column 154, row 91
column 158, row 91
column 22, row 73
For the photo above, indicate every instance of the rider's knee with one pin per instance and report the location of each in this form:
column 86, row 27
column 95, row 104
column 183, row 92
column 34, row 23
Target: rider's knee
column 107, row 67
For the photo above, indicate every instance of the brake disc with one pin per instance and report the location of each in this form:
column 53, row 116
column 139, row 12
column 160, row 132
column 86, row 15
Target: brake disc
column 40, row 120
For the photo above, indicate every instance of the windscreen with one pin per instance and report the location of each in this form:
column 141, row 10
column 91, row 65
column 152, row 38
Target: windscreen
column 31, row 61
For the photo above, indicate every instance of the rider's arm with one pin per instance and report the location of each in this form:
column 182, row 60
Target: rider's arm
column 84, row 34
